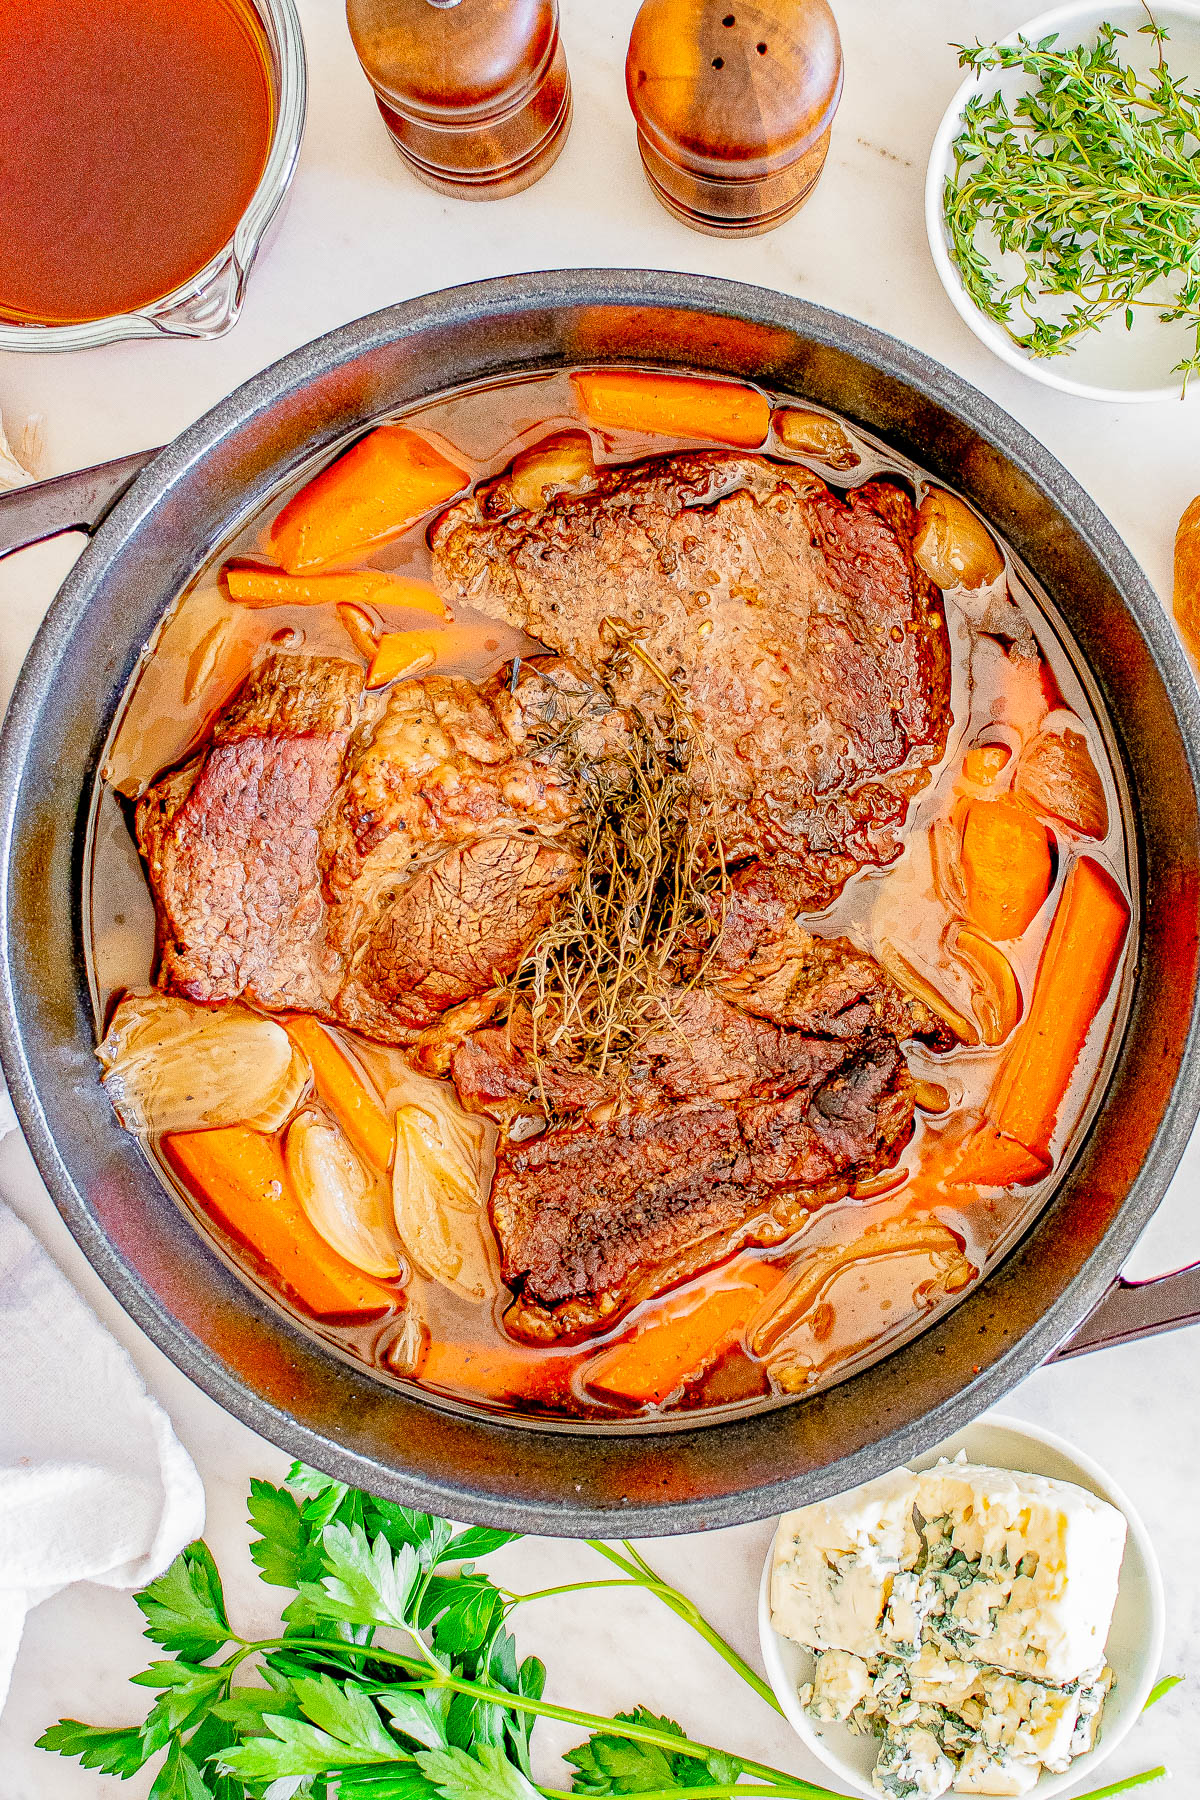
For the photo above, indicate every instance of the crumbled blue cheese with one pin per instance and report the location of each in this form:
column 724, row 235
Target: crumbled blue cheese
column 1030, row 1720
column 984, row 1771
column 911, row 1765
column 958, row 1615
column 939, row 1680
column 841, row 1682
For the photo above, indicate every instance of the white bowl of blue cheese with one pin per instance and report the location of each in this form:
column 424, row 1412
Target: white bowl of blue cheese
column 988, row 1620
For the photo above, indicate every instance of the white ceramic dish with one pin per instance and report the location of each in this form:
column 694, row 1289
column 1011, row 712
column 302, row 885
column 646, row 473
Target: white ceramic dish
column 1134, row 1642
column 1111, row 363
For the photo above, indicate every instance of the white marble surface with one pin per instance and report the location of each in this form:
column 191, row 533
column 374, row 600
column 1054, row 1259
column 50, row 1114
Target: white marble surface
column 360, row 233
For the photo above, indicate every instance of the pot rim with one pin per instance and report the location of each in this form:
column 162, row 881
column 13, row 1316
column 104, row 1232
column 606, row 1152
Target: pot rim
column 895, row 1442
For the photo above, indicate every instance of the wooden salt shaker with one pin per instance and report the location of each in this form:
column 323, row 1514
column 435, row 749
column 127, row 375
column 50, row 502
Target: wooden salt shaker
column 734, row 100
column 475, row 93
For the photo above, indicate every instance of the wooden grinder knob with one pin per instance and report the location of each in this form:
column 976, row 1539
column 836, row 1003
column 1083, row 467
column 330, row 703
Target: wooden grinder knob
column 734, row 100
column 475, row 93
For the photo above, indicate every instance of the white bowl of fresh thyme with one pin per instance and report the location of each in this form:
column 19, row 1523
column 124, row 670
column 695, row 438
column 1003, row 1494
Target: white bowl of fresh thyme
column 1063, row 199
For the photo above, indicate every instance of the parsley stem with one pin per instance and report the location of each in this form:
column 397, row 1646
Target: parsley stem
column 1160, row 1688
column 685, row 1609
column 572, row 1587
column 743, row 1791
column 791, row 1785
column 1123, row 1787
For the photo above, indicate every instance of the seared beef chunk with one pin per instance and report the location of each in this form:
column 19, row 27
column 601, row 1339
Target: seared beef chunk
column 232, row 842
column 453, row 836
column 706, row 1047
column 495, row 1073
column 766, row 961
column 374, row 863
column 703, row 1048
column 592, row 1218
column 448, row 763
column 729, row 1133
column 456, row 928
column 796, row 628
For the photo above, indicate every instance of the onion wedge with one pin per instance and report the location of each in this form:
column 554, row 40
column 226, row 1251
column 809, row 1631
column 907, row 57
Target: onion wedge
column 563, row 461
column 345, row 1201
column 439, row 1190
column 996, row 996
column 170, row 1065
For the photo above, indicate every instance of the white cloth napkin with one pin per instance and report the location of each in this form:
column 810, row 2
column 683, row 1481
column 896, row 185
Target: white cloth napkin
column 94, row 1484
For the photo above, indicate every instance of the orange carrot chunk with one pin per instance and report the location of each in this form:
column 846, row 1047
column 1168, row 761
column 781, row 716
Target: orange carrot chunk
column 1006, row 866
column 267, row 587
column 367, row 498
column 683, row 406
column 1076, row 971
column 402, row 653
column 983, row 762
column 240, row 1177
column 497, row 1371
column 682, row 1339
column 345, row 1093
column 989, row 1159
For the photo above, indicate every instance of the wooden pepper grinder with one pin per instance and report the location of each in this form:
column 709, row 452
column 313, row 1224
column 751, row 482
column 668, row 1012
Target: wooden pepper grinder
column 475, row 93
column 734, row 100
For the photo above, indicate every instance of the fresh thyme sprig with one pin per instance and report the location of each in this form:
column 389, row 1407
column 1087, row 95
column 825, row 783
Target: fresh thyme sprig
column 1089, row 181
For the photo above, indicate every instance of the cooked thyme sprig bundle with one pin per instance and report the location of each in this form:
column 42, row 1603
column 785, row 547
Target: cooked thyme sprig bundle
column 597, row 982
column 1090, row 180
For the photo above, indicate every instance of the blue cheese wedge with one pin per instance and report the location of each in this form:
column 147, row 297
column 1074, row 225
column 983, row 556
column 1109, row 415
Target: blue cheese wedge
column 1026, row 1569
column 836, row 1563
column 960, row 1617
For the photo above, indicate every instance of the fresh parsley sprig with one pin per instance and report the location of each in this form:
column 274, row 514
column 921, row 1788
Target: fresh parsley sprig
column 393, row 1675
column 1089, row 182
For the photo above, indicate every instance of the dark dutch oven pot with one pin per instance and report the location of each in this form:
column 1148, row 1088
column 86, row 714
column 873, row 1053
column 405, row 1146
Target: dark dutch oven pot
column 576, row 1479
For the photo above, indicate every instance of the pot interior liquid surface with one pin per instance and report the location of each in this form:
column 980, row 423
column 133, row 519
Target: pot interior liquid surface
column 852, row 1297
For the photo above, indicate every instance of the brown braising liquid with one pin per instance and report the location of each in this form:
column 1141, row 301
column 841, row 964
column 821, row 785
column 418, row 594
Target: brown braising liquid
column 859, row 1310
column 134, row 135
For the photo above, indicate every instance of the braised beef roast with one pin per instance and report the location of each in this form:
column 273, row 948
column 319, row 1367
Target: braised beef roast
column 386, row 862
column 804, row 641
column 371, row 861
column 732, row 1132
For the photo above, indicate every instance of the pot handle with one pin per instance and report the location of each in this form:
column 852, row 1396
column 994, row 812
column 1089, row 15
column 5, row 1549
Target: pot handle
column 75, row 502
column 1137, row 1309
